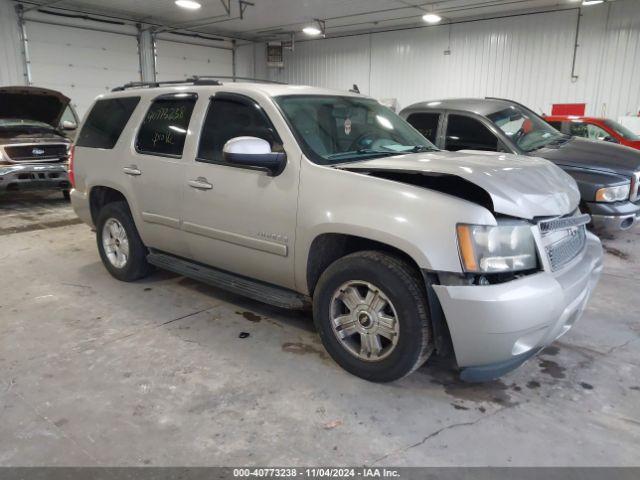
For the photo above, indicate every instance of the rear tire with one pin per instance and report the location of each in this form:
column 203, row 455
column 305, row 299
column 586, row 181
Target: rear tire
column 371, row 311
column 121, row 249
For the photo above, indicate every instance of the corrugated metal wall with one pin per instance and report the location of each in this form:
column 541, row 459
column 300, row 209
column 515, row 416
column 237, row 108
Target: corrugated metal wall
column 527, row 58
column 619, row 87
column 11, row 70
column 178, row 60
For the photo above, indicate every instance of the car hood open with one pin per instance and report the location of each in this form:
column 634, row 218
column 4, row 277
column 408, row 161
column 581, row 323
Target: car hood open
column 519, row 186
column 32, row 103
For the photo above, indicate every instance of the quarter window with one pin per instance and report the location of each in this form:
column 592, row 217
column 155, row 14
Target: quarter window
column 106, row 121
column 426, row 124
column 165, row 126
column 231, row 116
column 468, row 133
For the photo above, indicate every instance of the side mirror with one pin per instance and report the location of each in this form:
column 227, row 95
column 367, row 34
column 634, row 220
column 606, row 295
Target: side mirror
column 69, row 125
column 253, row 152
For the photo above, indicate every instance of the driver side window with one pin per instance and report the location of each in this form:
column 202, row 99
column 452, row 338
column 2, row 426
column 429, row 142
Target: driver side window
column 229, row 117
column 466, row 133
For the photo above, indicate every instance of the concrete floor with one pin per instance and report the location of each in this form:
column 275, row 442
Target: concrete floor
column 98, row 372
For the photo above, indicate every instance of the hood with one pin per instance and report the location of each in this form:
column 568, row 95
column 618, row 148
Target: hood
column 9, row 138
column 594, row 155
column 31, row 103
column 519, row 186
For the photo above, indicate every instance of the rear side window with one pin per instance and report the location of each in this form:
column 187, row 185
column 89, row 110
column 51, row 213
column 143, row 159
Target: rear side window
column 466, row 133
column 426, row 124
column 106, row 121
column 164, row 128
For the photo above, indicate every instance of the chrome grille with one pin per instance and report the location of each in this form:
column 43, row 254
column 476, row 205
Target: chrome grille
column 35, row 152
column 564, row 238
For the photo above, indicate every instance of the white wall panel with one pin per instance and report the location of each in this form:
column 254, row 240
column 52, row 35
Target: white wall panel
column 334, row 63
column 81, row 63
column 11, row 69
column 619, row 92
column 177, row 60
column 527, row 58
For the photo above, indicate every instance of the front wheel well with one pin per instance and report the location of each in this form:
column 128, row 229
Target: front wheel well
column 329, row 247
column 101, row 196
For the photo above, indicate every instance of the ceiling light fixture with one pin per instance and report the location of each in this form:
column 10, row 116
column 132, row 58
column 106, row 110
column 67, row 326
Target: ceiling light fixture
column 310, row 30
column 432, row 18
column 188, row 4
column 586, row 3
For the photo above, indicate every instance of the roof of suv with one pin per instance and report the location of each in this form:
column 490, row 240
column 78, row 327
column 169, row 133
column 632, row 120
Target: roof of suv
column 269, row 89
column 481, row 106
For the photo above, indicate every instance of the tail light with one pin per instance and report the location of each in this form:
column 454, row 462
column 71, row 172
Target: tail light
column 72, row 178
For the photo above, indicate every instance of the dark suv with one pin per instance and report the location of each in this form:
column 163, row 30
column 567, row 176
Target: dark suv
column 35, row 125
column 608, row 175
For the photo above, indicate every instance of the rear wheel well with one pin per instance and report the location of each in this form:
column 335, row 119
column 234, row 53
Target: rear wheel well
column 101, row 196
column 329, row 247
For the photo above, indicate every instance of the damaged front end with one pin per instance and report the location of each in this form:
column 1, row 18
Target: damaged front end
column 524, row 280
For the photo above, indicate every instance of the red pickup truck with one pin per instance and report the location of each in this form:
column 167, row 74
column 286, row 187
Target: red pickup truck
column 595, row 129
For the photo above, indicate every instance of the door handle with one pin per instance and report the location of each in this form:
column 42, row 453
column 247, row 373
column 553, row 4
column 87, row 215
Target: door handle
column 200, row 183
column 132, row 170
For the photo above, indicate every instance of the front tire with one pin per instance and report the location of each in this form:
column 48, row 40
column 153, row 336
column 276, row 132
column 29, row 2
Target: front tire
column 121, row 249
column 370, row 309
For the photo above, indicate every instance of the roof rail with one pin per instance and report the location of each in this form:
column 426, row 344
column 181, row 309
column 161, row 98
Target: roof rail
column 190, row 80
column 193, row 80
column 234, row 78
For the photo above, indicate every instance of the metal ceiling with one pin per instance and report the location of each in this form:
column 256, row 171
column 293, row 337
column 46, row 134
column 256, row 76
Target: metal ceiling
column 267, row 19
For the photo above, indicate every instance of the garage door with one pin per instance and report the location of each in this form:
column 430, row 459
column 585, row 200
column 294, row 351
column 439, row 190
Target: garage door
column 81, row 63
column 176, row 60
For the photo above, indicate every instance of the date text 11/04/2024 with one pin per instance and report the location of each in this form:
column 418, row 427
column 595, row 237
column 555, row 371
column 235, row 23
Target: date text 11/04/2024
column 326, row 472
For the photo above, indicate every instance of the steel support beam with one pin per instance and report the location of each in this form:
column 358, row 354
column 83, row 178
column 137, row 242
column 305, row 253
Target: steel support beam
column 24, row 42
column 147, row 54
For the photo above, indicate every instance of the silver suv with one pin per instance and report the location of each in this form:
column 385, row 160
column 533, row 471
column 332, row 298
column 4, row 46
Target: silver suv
column 305, row 197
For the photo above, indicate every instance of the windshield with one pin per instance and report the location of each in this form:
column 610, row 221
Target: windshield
column 21, row 125
column 528, row 131
column 335, row 129
column 621, row 130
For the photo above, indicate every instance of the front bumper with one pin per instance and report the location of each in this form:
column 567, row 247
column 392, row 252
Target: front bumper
column 613, row 217
column 34, row 177
column 495, row 328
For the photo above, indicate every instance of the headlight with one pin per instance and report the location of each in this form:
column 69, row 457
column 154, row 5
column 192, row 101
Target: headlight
column 503, row 248
column 613, row 194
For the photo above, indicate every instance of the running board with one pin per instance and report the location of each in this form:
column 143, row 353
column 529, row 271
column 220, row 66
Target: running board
column 254, row 289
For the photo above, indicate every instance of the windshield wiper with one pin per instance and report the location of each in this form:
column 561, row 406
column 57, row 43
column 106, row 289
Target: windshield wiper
column 422, row 148
column 556, row 142
column 362, row 151
column 561, row 140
